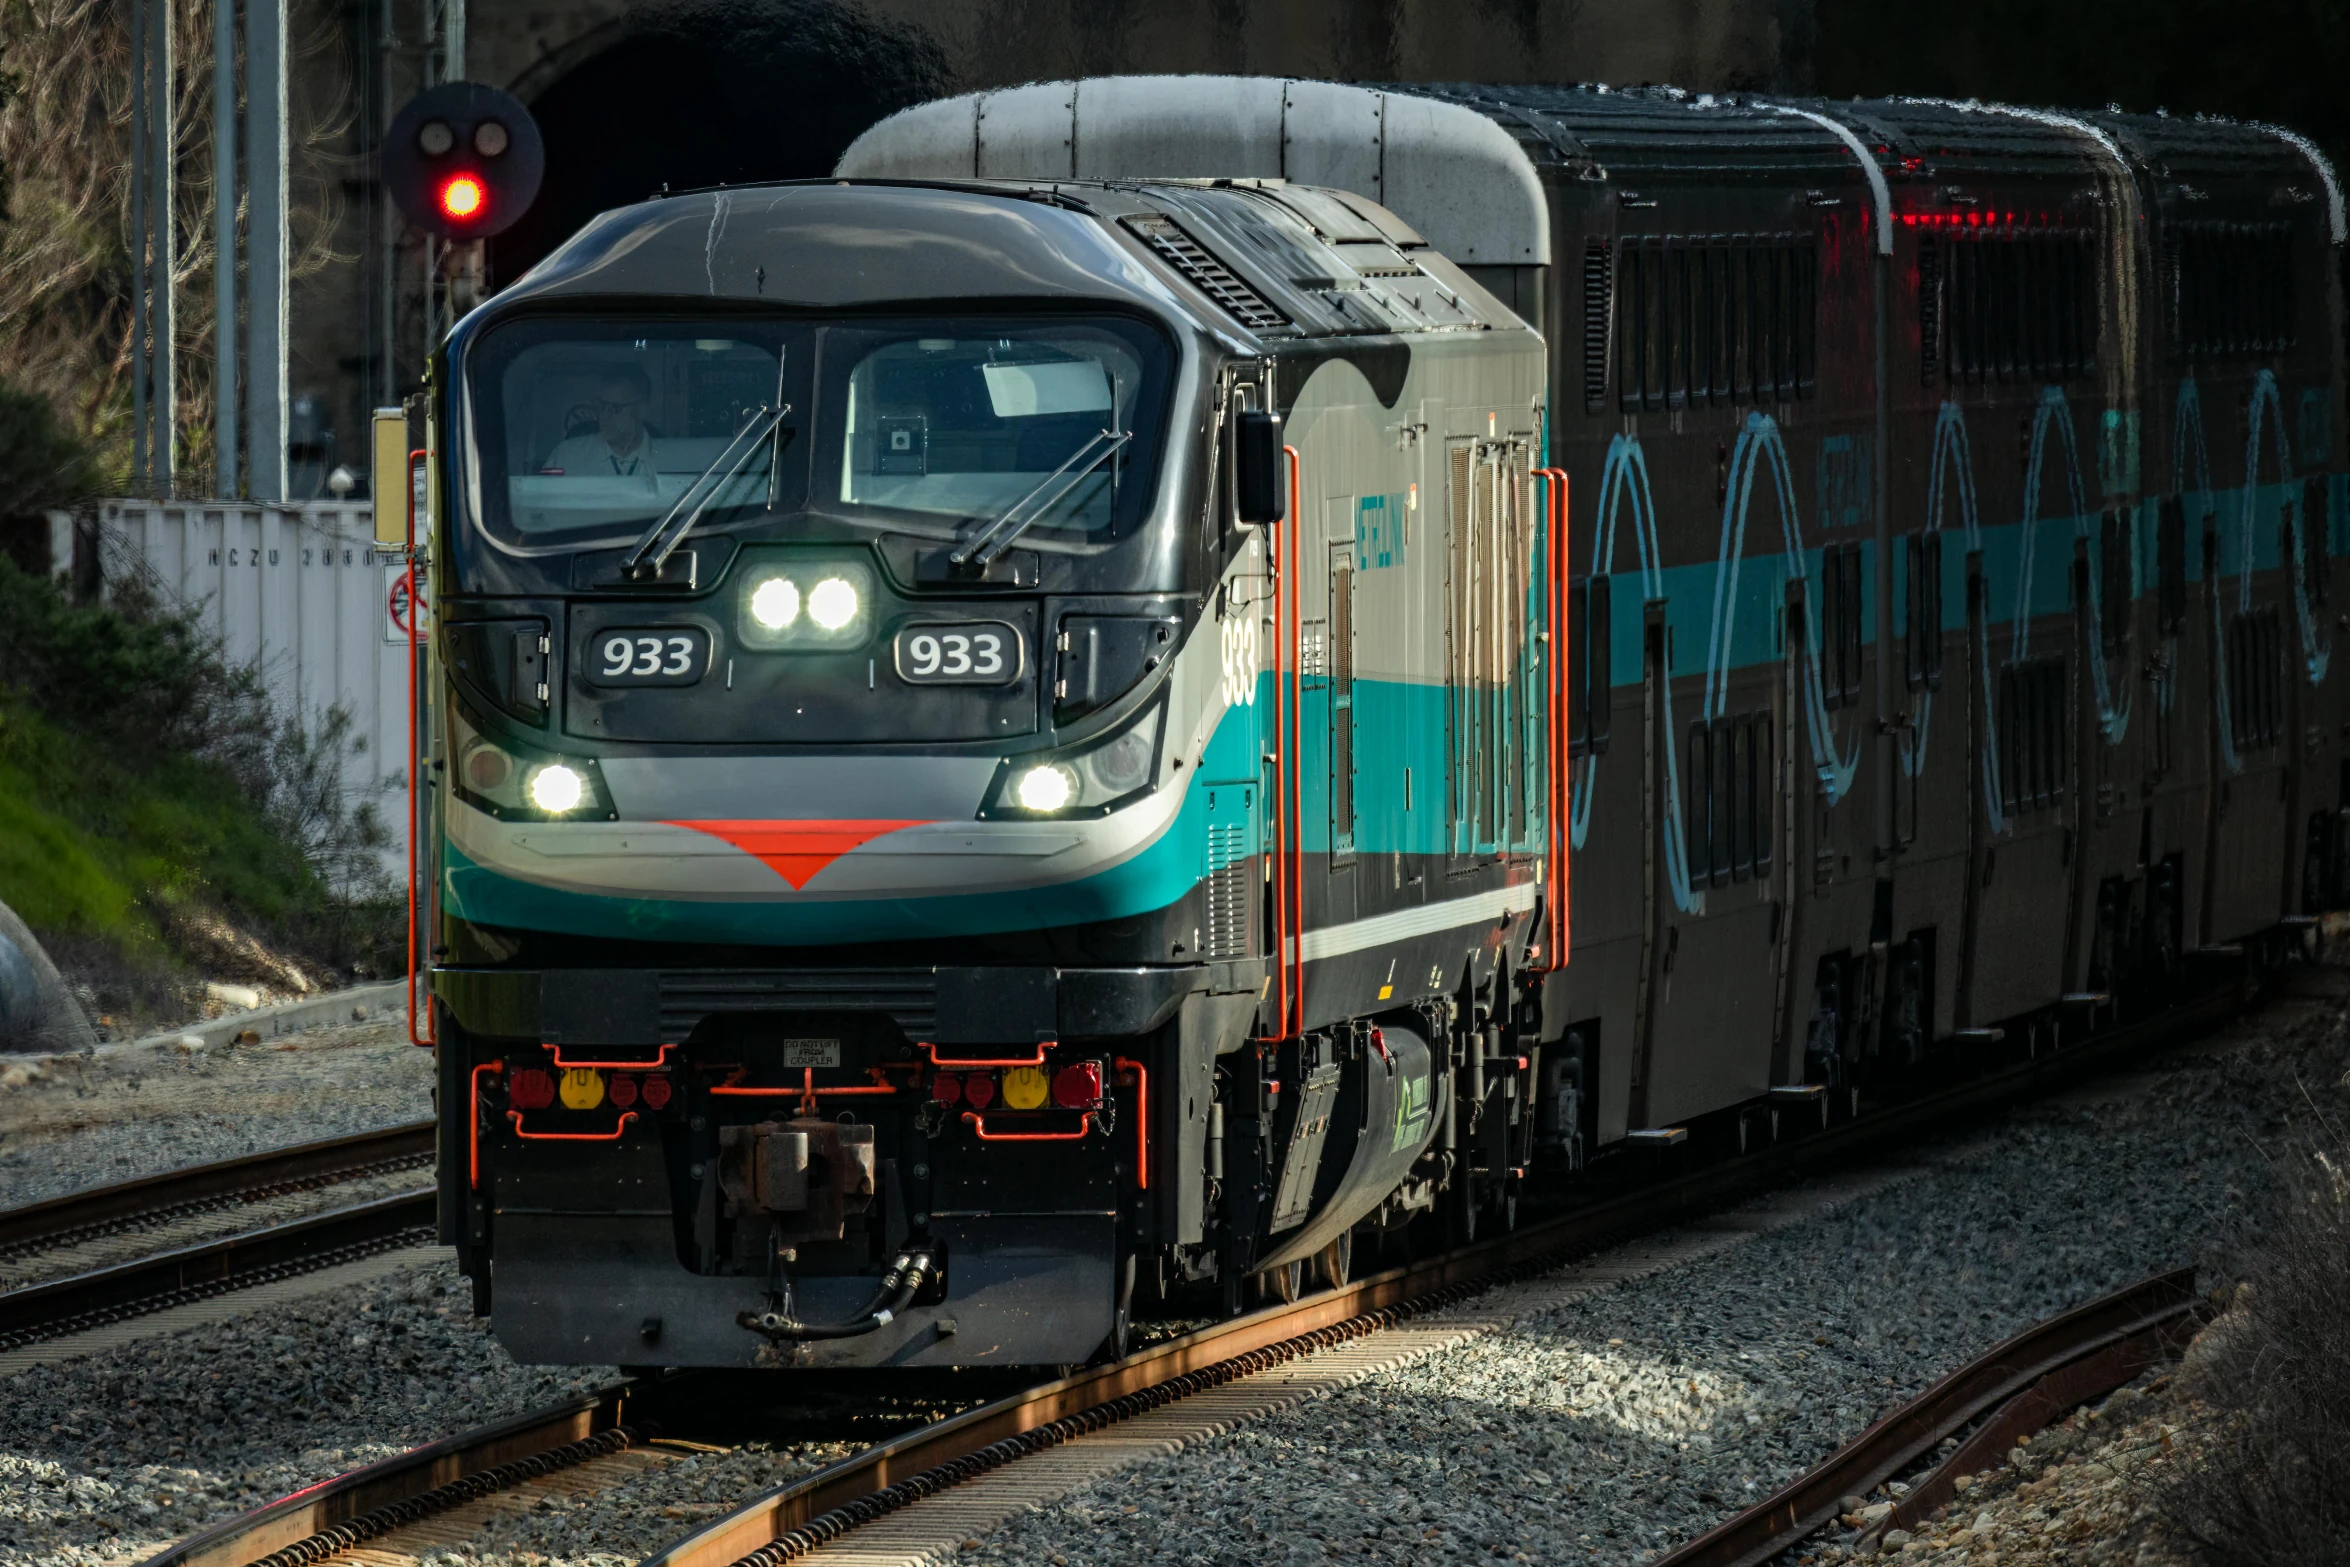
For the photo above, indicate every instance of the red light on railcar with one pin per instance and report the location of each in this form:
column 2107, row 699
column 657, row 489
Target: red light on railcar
column 623, row 1091
column 656, row 1091
column 947, row 1088
column 979, row 1090
column 531, row 1089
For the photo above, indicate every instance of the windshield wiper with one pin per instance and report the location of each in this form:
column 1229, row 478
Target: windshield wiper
column 652, row 552
column 1024, row 512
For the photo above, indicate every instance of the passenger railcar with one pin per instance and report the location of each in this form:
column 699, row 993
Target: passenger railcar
column 941, row 831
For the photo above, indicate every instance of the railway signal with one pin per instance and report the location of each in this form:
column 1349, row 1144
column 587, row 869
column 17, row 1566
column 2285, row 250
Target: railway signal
column 463, row 161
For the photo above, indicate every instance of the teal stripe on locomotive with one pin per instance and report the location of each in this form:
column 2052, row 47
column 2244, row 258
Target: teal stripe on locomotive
column 1398, row 726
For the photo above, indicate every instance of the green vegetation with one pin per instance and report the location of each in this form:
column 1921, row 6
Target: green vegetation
column 159, row 826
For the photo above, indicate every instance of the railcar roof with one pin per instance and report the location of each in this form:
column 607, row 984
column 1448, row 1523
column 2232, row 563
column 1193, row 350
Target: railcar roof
column 1272, row 259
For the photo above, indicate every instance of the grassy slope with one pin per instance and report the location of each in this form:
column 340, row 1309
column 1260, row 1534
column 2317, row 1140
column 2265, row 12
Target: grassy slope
column 93, row 845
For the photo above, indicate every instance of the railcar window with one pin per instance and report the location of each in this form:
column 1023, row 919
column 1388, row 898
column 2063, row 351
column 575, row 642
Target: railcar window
column 1924, row 662
column 2032, row 724
column 1843, row 592
column 1728, row 793
column 2002, row 306
column 2171, row 565
column 2256, row 679
column 2116, row 584
column 1719, row 320
column 2228, row 289
column 963, row 420
column 1590, row 676
column 2317, row 553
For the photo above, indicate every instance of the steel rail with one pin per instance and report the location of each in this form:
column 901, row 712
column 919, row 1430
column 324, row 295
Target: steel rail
column 2039, row 1374
column 158, row 1199
column 787, row 1523
column 351, row 1508
column 928, row 1458
column 56, row 1307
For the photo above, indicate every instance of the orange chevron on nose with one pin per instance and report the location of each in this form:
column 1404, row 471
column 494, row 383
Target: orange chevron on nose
column 797, row 850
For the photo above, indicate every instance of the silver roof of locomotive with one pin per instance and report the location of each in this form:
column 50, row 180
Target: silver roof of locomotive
column 1271, row 259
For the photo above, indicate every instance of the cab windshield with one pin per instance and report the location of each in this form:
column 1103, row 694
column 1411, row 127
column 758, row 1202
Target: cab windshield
column 587, row 434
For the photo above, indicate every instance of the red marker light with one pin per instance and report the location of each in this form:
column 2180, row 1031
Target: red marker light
column 656, row 1092
column 623, row 1091
column 947, row 1089
column 463, row 196
column 979, row 1090
column 1079, row 1086
column 531, row 1089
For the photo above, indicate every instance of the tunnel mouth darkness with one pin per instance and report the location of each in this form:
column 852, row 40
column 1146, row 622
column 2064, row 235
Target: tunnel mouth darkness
column 694, row 93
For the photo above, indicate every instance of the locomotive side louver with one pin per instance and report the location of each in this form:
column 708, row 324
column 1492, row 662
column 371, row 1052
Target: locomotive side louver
column 1209, row 275
column 1598, row 296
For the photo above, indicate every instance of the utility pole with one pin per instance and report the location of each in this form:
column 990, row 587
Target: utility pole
column 162, row 191
column 267, row 261
column 224, row 248
column 139, row 464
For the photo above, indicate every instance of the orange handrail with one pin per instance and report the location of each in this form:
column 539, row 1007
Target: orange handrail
column 660, row 1060
column 612, row 1136
column 1142, row 1119
column 979, row 1125
column 1287, row 567
column 960, row 1065
column 473, row 1159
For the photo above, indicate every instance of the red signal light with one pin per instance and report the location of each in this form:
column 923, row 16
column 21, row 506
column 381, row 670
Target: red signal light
column 463, row 197
column 1078, row 1086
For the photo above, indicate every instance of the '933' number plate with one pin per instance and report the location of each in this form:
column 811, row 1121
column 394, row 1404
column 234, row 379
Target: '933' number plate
column 966, row 653
column 648, row 656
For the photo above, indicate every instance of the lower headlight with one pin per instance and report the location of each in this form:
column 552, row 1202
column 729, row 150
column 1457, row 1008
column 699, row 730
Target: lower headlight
column 515, row 782
column 1047, row 787
column 557, row 789
column 1089, row 780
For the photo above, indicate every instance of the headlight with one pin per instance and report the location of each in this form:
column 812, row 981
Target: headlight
column 1090, row 781
column 515, row 783
column 557, row 789
column 832, row 603
column 775, row 603
column 1048, row 786
column 792, row 604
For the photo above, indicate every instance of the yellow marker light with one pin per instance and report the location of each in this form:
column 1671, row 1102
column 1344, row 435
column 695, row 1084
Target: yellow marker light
column 1025, row 1087
column 582, row 1088
column 555, row 789
column 775, row 603
column 832, row 603
column 1046, row 788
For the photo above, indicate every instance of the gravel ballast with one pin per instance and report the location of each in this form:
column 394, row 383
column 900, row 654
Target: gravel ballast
column 1610, row 1427
column 1596, row 1425
column 75, row 1122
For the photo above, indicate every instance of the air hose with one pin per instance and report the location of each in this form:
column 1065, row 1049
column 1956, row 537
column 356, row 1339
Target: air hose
column 899, row 1286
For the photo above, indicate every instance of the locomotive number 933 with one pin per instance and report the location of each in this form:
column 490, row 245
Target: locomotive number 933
column 1008, row 749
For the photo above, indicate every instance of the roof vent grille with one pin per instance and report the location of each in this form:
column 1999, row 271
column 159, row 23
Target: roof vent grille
column 1210, row 276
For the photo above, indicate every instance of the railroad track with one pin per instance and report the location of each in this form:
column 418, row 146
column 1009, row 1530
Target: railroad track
column 182, row 1273
column 786, row 1524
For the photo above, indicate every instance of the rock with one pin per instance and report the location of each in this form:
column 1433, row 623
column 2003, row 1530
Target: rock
column 1983, row 1521
column 1895, row 1539
column 37, row 1012
column 1852, row 1504
column 1876, row 1512
column 244, row 997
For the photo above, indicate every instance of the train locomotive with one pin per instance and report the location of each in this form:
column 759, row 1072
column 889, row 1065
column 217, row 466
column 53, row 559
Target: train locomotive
column 1010, row 732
